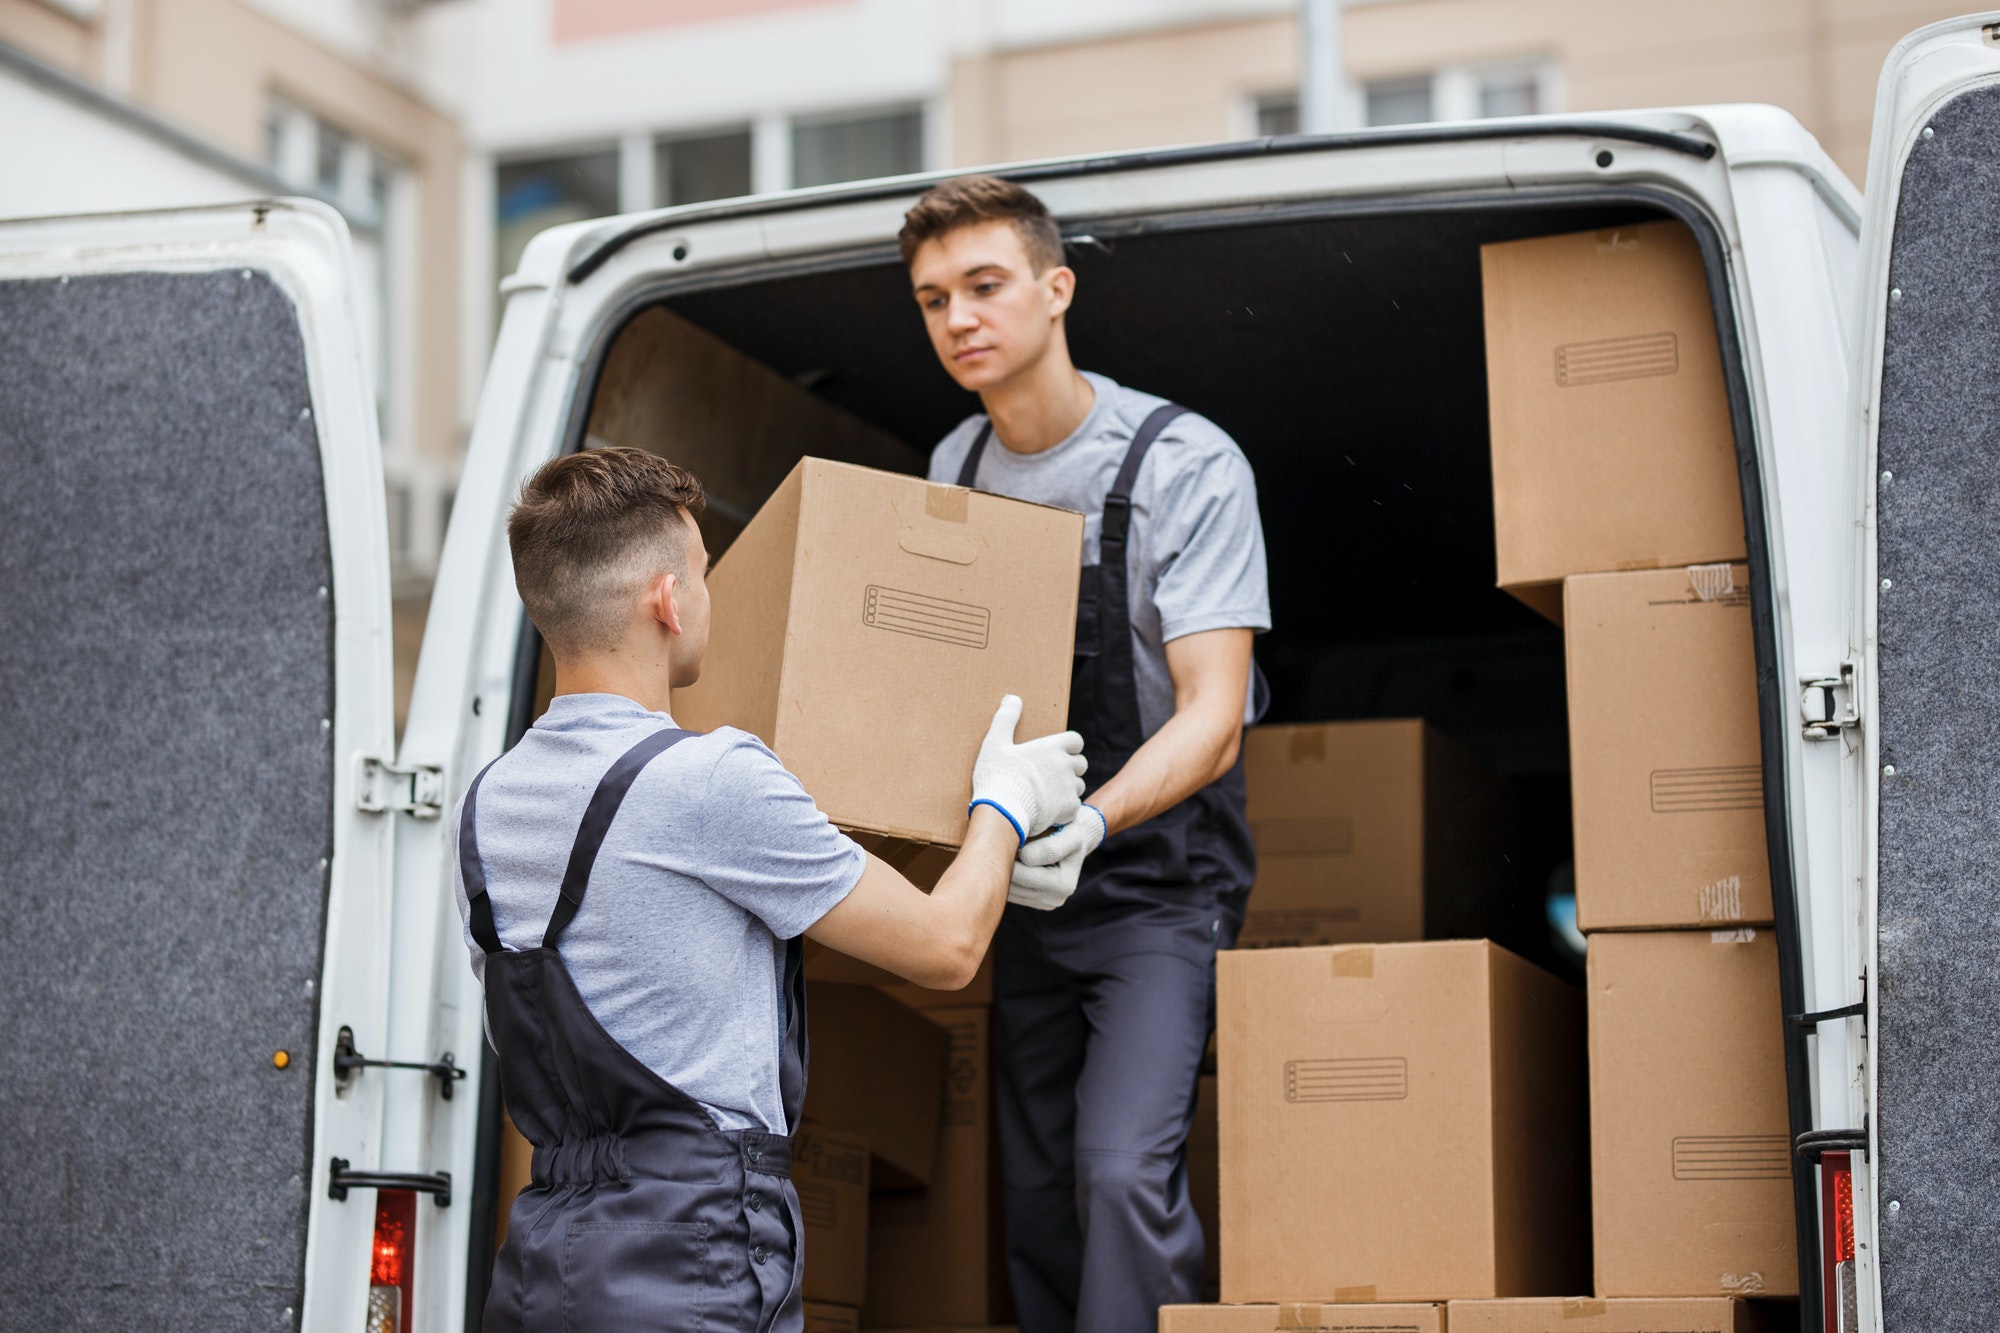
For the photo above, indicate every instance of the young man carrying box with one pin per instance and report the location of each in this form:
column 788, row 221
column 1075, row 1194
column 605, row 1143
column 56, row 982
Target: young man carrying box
column 1104, row 1000
column 651, row 1034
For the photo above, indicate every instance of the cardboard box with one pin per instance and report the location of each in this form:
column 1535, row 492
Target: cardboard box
column 1690, row 1145
column 1400, row 1122
column 1586, row 1315
column 824, row 964
column 1370, row 832
column 876, row 1071
column 1204, row 1167
column 937, row 1256
column 674, row 388
column 1666, row 760
column 830, row 1173
column 1612, row 443
column 1321, row 1318
column 831, row 1319
column 866, row 625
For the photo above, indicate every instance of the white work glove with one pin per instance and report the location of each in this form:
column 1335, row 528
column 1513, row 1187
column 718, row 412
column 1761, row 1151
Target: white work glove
column 1036, row 784
column 1045, row 870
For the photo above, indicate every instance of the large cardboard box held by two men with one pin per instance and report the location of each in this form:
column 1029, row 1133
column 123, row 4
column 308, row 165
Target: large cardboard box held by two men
column 1613, row 446
column 1399, row 1122
column 865, row 626
column 1370, row 832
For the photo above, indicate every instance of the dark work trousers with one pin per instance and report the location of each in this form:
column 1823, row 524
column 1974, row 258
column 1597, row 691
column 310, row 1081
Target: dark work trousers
column 641, row 1214
column 1103, row 1007
column 1097, row 1073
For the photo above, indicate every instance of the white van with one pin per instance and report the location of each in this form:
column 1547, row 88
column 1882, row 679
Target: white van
column 241, row 1083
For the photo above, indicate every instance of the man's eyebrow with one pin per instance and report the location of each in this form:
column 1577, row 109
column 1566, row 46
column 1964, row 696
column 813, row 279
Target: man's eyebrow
column 977, row 269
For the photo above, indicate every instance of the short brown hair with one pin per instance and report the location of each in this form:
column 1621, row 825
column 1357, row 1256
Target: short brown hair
column 589, row 531
column 967, row 201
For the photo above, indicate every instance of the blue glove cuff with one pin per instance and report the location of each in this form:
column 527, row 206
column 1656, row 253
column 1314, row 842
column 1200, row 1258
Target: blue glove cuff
column 1102, row 822
column 1019, row 832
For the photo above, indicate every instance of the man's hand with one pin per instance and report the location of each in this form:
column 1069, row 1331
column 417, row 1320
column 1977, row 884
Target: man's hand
column 1035, row 784
column 1046, row 870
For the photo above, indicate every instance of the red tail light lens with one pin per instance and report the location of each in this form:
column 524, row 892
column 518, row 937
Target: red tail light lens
column 393, row 1264
column 1836, row 1192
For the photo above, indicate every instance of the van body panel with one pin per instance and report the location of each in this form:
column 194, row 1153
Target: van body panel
column 1923, row 439
column 198, row 651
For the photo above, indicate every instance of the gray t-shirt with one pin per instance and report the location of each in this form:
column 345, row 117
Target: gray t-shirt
column 1196, row 548
column 716, row 858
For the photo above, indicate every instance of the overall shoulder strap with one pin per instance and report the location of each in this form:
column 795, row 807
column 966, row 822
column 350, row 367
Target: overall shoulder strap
column 472, row 871
column 1118, row 503
column 597, row 817
column 968, row 473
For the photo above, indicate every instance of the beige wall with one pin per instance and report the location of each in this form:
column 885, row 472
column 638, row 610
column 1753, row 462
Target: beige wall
column 1184, row 85
column 210, row 66
column 1817, row 59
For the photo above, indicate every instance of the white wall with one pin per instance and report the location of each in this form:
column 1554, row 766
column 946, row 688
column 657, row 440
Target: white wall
column 515, row 87
column 61, row 157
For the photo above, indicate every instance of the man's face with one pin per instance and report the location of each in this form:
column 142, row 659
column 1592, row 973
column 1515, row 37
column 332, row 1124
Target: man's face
column 989, row 314
column 691, row 600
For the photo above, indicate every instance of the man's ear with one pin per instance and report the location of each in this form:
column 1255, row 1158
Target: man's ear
column 661, row 602
column 1062, row 288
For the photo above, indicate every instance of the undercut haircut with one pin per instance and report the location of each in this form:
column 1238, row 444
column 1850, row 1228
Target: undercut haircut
column 589, row 532
column 967, row 201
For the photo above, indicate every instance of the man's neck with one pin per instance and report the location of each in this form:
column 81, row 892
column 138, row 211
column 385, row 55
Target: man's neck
column 1042, row 406
column 645, row 686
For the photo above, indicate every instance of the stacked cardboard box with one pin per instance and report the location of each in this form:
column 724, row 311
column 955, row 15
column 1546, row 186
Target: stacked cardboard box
column 1371, row 832
column 1618, row 512
column 830, row 1173
column 1584, row 1315
column 1399, row 1123
column 1312, row 1316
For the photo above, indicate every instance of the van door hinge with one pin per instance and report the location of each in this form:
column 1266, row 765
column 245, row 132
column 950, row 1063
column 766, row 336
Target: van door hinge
column 380, row 786
column 1829, row 705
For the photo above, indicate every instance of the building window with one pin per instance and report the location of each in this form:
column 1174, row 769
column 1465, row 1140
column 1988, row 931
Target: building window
column 694, row 168
column 1405, row 101
column 1277, row 113
column 1515, row 92
column 857, row 148
column 533, row 194
column 1465, row 92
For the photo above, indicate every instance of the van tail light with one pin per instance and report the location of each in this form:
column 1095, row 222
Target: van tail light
column 393, row 1263
column 1836, row 1192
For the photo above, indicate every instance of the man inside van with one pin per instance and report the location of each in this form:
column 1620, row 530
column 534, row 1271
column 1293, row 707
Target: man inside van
column 1104, row 977
column 634, row 896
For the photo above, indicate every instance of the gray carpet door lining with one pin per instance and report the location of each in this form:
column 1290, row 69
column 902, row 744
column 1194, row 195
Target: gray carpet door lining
column 1938, row 982
column 166, row 661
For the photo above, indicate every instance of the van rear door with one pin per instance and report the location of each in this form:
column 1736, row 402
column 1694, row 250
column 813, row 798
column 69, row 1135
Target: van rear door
column 1926, row 433
column 194, row 663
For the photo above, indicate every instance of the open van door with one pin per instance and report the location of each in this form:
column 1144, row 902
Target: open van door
column 194, row 672
column 1926, row 1197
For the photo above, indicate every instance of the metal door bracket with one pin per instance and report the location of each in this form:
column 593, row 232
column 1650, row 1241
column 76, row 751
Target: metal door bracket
column 347, row 1060
column 339, row 1180
column 380, row 787
column 1829, row 705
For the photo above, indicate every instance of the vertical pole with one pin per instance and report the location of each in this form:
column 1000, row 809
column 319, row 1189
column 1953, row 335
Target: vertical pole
column 1323, row 95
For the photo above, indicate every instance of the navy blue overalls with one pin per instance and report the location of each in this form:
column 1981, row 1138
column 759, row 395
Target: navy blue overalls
column 642, row 1214
column 1103, row 1006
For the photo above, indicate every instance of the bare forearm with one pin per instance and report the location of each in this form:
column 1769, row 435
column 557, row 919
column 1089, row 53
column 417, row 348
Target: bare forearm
column 935, row 939
column 1192, row 750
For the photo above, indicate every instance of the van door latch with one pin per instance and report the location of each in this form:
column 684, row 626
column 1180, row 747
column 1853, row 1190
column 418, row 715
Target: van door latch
column 381, row 787
column 1828, row 705
column 347, row 1061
